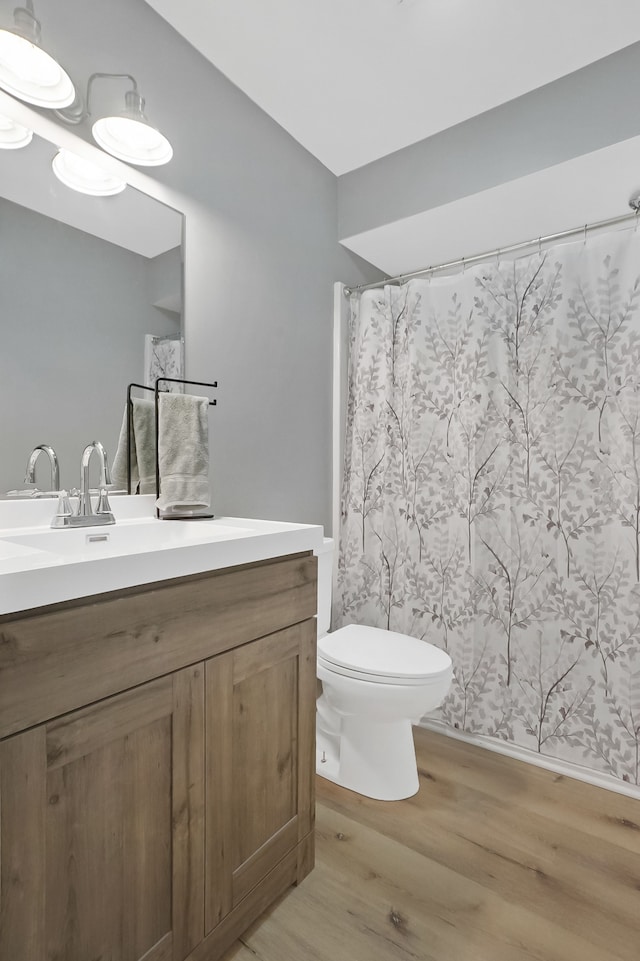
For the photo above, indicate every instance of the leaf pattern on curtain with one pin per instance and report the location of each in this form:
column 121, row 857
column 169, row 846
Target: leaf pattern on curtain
column 491, row 497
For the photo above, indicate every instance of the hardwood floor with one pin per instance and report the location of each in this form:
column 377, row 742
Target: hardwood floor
column 493, row 860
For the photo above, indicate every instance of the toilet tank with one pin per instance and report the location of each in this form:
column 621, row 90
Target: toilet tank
column 325, row 578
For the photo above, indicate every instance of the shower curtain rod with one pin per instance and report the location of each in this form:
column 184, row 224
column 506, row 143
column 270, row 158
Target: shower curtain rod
column 477, row 258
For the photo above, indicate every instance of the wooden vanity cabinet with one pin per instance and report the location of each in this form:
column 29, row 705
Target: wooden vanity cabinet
column 101, row 813
column 259, row 778
column 157, row 822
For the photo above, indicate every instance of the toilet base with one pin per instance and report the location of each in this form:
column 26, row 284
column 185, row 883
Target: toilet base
column 373, row 758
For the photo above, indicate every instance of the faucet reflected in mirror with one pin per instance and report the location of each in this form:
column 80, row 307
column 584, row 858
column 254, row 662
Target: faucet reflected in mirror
column 85, row 515
column 30, row 475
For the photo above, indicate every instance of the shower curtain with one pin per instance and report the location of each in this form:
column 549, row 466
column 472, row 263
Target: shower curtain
column 491, row 496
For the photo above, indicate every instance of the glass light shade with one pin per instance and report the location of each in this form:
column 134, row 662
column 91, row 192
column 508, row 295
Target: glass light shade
column 132, row 140
column 85, row 177
column 12, row 134
column 29, row 73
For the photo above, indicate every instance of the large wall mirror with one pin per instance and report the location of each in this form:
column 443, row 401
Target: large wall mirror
column 84, row 283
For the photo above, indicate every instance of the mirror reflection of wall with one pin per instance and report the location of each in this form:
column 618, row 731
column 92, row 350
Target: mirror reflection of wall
column 75, row 309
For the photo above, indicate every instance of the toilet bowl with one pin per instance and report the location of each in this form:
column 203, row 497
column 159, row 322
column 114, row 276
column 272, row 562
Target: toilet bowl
column 375, row 684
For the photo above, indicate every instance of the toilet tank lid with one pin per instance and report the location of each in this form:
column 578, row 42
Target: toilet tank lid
column 376, row 651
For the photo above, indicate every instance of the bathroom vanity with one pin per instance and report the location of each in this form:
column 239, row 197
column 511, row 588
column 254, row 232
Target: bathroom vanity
column 156, row 738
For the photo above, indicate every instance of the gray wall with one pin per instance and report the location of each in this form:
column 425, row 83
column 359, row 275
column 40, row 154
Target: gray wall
column 74, row 312
column 261, row 256
column 589, row 109
column 165, row 283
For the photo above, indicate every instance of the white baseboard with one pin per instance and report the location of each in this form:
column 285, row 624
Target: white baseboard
column 566, row 768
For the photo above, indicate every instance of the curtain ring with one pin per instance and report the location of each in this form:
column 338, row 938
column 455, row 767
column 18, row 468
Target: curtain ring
column 498, row 257
column 539, row 246
column 637, row 213
column 463, row 265
column 585, row 234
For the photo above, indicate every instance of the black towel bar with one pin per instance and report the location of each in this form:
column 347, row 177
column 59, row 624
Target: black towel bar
column 156, row 391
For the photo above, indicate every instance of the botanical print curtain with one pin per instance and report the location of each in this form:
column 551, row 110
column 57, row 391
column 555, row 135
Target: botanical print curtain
column 491, row 500
column 163, row 357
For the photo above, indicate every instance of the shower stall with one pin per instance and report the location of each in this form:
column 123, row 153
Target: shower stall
column 487, row 489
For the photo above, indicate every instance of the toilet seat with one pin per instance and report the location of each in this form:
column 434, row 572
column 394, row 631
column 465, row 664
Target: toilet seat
column 382, row 657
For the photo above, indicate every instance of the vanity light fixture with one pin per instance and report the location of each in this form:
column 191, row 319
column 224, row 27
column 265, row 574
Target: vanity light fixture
column 12, row 134
column 128, row 135
column 84, row 176
column 26, row 70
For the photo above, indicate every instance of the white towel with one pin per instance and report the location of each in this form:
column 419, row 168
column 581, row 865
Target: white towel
column 143, row 448
column 183, row 452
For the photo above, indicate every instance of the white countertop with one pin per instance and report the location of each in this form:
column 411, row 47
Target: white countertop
column 40, row 566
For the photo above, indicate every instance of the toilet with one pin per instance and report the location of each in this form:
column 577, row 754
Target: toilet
column 375, row 684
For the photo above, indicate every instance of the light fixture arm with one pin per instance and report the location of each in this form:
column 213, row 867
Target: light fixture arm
column 27, row 24
column 80, row 111
column 108, row 76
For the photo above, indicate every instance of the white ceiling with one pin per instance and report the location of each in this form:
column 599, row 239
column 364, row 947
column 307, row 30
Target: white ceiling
column 355, row 80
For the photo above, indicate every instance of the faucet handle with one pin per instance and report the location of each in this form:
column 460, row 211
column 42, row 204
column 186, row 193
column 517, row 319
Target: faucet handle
column 64, row 505
column 63, row 515
column 104, row 507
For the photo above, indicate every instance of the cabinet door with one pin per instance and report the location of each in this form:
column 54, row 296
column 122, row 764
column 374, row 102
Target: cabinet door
column 101, row 829
column 260, row 761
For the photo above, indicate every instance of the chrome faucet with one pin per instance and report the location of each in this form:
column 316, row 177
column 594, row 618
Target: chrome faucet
column 30, row 475
column 85, row 516
column 84, row 506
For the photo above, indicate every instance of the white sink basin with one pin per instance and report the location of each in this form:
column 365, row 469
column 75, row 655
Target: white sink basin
column 41, row 566
column 128, row 537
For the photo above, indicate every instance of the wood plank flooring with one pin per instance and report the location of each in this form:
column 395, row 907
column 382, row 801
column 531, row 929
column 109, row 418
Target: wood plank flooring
column 493, row 860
